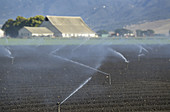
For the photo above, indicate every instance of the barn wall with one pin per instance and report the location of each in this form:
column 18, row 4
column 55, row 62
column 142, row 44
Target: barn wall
column 24, row 33
column 42, row 35
column 1, row 33
column 47, row 24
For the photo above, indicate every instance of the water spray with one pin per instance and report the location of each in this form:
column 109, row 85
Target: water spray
column 83, row 84
column 80, row 44
column 81, row 64
column 119, row 54
column 86, row 66
column 141, row 48
column 56, row 50
column 10, row 55
column 122, row 56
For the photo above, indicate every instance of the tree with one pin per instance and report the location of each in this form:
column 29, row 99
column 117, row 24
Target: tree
column 141, row 33
column 150, row 32
column 122, row 31
column 8, row 27
column 11, row 27
column 100, row 32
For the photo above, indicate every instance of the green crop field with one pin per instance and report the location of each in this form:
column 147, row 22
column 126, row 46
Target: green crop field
column 83, row 41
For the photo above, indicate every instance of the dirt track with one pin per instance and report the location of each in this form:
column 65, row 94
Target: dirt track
column 35, row 80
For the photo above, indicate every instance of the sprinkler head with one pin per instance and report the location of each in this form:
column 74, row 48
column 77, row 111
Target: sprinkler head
column 58, row 103
column 109, row 77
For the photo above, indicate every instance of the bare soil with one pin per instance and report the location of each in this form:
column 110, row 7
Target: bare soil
column 37, row 79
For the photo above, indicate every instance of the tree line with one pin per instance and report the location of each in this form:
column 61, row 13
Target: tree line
column 123, row 32
column 143, row 33
column 11, row 27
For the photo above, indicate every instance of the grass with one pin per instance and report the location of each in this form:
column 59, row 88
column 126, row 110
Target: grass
column 78, row 41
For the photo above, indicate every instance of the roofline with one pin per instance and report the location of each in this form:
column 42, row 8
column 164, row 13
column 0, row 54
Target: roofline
column 36, row 27
column 33, row 27
column 64, row 16
column 70, row 17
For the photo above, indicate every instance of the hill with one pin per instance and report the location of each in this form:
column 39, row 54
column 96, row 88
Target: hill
column 98, row 14
column 160, row 26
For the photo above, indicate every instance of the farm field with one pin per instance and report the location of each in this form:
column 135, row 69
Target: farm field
column 85, row 77
column 88, row 41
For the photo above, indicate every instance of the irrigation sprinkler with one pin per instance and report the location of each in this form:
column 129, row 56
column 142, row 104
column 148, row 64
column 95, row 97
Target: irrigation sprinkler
column 84, row 83
column 138, row 58
column 58, row 106
column 77, row 89
column 12, row 61
column 127, row 66
column 110, row 80
column 86, row 66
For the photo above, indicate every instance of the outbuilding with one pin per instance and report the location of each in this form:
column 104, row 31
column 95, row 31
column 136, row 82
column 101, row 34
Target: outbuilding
column 64, row 26
column 1, row 33
column 35, row 32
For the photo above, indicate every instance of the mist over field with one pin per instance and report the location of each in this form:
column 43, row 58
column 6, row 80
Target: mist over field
column 36, row 77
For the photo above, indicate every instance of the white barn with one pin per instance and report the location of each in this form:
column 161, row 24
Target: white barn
column 67, row 26
column 1, row 33
column 35, row 32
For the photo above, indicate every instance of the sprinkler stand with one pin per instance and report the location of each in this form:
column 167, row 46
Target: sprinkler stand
column 127, row 65
column 110, row 80
column 58, row 106
column 12, row 61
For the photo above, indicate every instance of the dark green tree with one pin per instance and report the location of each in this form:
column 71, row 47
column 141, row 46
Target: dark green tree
column 122, row 31
column 149, row 32
column 141, row 33
column 100, row 32
column 11, row 27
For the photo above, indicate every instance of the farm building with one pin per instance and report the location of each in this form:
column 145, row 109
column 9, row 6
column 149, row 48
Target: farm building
column 67, row 26
column 35, row 32
column 1, row 33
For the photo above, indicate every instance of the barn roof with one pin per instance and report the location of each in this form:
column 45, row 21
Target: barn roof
column 69, row 24
column 39, row 30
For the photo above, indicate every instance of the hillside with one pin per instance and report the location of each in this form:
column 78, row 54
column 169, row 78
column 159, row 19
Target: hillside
column 160, row 27
column 98, row 14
